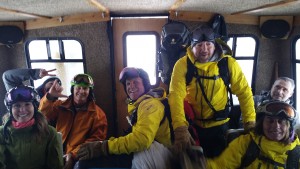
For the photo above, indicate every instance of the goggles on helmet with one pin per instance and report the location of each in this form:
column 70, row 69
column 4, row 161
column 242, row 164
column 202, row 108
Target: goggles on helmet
column 203, row 34
column 128, row 72
column 277, row 108
column 83, row 80
column 23, row 93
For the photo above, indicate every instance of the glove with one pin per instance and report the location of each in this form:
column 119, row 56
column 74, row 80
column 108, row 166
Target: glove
column 249, row 126
column 69, row 161
column 92, row 150
column 183, row 139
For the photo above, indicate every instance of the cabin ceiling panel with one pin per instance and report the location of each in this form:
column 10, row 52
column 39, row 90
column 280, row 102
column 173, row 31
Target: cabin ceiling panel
column 28, row 10
column 224, row 6
column 48, row 8
column 4, row 16
column 140, row 6
column 291, row 9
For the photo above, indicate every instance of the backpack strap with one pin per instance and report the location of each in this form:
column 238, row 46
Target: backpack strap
column 168, row 116
column 190, row 71
column 251, row 154
column 224, row 74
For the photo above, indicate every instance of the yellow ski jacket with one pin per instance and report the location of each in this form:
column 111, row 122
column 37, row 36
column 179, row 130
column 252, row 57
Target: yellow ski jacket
column 232, row 155
column 150, row 113
column 215, row 91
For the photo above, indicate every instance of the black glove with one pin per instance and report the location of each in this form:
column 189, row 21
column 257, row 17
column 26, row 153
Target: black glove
column 69, row 161
column 92, row 150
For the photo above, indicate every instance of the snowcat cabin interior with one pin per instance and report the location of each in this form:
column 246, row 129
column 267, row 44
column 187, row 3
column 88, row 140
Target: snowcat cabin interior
column 102, row 37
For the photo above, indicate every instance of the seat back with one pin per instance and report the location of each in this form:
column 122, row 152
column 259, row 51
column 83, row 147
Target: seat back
column 231, row 134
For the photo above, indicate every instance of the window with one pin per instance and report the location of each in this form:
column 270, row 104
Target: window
column 296, row 68
column 141, row 51
column 244, row 48
column 66, row 55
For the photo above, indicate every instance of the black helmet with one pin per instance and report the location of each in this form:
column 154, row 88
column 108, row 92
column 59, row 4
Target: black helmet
column 21, row 93
column 132, row 72
column 203, row 33
column 277, row 108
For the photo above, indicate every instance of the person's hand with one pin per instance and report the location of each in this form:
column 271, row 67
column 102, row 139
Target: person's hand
column 92, row 150
column 55, row 90
column 69, row 161
column 183, row 139
column 44, row 72
column 249, row 126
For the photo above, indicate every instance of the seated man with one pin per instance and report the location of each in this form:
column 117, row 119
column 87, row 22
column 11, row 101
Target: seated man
column 78, row 118
column 282, row 90
column 150, row 133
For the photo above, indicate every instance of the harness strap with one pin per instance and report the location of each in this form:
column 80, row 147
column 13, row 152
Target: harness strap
column 276, row 164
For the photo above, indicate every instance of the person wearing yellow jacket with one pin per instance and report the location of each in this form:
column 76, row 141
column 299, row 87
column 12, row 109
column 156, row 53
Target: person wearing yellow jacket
column 150, row 134
column 204, row 53
column 273, row 135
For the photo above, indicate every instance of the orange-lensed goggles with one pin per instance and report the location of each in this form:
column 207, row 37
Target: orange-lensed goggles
column 276, row 108
column 83, row 79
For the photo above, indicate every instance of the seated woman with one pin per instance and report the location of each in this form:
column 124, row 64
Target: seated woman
column 26, row 139
column 271, row 143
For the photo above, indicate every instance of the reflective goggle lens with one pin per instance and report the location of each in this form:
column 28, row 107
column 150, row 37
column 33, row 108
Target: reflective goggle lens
column 277, row 107
column 128, row 72
column 19, row 94
column 83, row 79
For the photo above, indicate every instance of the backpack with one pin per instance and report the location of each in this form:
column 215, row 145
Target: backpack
column 218, row 24
column 253, row 152
column 175, row 38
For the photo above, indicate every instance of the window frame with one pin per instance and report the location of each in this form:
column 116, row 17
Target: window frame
column 294, row 63
column 254, row 58
column 61, row 52
column 157, row 36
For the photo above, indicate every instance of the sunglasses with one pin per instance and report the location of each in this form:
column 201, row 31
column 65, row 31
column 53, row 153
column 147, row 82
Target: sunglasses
column 128, row 72
column 20, row 94
column 83, row 79
column 276, row 108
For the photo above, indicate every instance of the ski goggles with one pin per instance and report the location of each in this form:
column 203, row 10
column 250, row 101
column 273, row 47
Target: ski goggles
column 276, row 108
column 128, row 72
column 25, row 94
column 83, row 80
column 204, row 34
